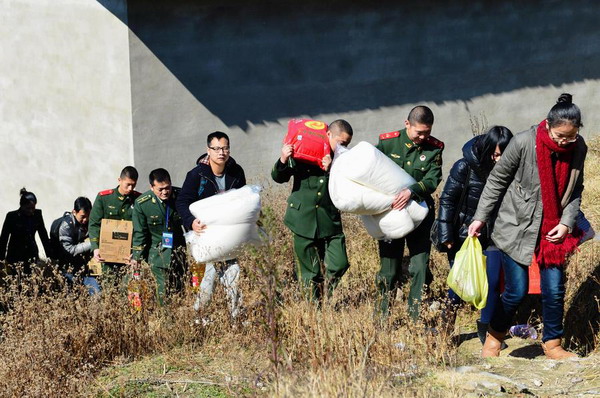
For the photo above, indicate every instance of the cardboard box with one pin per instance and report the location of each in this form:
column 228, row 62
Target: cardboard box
column 115, row 240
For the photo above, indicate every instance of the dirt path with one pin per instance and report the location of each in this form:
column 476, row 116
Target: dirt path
column 522, row 370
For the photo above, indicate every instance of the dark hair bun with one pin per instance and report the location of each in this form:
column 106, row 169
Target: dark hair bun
column 23, row 191
column 565, row 97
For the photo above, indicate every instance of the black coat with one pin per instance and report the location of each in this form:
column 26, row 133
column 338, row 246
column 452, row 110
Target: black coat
column 469, row 167
column 18, row 234
column 200, row 183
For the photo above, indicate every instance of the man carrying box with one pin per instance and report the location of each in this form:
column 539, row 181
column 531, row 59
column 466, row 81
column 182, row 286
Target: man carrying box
column 416, row 151
column 113, row 204
column 311, row 216
column 157, row 233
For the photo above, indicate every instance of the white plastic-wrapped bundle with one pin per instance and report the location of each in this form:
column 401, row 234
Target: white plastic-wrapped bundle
column 350, row 197
column 395, row 224
column 363, row 180
column 230, row 220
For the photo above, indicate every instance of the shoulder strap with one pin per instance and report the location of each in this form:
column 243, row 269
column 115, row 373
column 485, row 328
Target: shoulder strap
column 463, row 197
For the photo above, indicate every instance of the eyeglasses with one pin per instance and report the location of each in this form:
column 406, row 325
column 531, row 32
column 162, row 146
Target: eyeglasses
column 218, row 149
column 564, row 140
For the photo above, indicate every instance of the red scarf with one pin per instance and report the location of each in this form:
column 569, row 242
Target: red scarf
column 553, row 181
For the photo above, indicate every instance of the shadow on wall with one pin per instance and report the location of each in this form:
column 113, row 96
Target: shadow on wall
column 258, row 61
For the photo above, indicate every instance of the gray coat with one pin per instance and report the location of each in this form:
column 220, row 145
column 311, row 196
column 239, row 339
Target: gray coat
column 518, row 224
column 68, row 238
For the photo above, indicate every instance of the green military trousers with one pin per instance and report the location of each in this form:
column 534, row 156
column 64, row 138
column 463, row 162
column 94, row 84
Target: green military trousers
column 168, row 280
column 310, row 253
column 391, row 253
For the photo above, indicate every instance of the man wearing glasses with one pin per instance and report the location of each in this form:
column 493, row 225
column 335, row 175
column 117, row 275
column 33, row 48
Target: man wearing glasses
column 216, row 172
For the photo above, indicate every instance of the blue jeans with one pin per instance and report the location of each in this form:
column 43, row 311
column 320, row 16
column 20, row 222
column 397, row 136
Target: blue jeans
column 492, row 270
column 88, row 281
column 516, row 285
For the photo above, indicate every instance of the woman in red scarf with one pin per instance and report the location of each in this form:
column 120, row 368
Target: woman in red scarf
column 541, row 177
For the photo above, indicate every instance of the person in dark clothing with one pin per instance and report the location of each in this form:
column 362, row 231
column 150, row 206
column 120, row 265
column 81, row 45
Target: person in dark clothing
column 71, row 248
column 216, row 172
column 17, row 240
column 470, row 173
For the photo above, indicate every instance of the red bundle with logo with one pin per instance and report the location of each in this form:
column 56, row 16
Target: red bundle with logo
column 309, row 139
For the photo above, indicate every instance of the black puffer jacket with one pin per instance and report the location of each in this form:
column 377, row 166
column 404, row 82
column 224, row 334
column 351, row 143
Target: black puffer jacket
column 468, row 167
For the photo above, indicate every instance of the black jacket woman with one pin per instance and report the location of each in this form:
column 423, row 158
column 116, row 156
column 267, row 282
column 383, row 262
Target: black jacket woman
column 18, row 233
column 458, row 204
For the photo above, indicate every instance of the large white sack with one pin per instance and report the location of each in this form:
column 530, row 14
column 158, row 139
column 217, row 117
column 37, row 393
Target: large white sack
column 221, row 242
column 230, row 220
column 368, row 166
column 395, row 224
column 363, row 180
column 351, row 197
column 231, row 207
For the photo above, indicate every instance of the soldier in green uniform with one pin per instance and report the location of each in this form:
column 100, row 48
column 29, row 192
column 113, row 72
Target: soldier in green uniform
column 416, row 151
column 158, row 234
column 113, row 204
column 311, row 216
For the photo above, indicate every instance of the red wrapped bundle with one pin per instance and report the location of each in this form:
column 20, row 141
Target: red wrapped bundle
column 309, row 139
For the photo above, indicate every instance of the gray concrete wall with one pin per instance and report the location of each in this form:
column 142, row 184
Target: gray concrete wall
column 65, row 101
column 90, row 86
column 248, row 68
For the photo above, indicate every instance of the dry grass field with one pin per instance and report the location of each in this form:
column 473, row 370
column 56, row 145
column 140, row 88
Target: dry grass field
column 60, row 343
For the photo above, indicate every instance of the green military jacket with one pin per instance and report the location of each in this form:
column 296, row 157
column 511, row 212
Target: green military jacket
column 149, row 223
column 423, row 162
column 112, row 205
column 310, row 212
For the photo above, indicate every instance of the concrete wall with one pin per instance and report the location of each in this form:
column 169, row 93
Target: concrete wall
column 248, row 68
column 87, row 87
column 65, row 101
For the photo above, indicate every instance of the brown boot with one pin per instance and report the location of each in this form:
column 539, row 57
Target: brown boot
column 493, row 343
column 553, row 350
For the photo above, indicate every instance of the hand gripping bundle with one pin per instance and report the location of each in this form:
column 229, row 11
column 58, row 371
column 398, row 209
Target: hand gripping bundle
column 364, row 181
column 230, row 220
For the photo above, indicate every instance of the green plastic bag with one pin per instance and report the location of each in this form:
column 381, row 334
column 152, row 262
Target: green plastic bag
column 467, row 277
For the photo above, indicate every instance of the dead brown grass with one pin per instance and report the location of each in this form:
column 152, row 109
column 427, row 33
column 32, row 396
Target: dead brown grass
column 56, row 343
